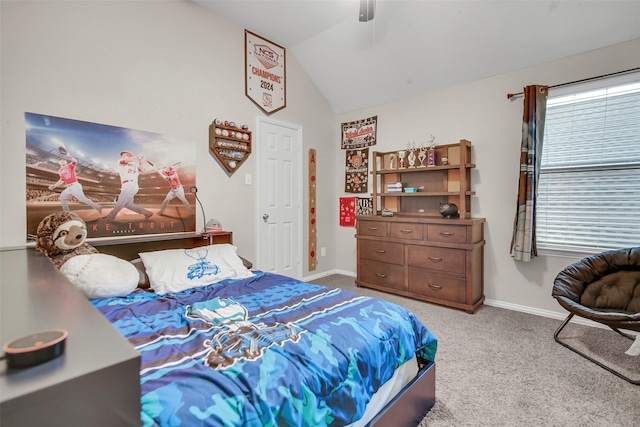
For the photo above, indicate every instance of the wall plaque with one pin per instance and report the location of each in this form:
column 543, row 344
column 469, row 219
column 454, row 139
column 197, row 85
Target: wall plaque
column 265, row 73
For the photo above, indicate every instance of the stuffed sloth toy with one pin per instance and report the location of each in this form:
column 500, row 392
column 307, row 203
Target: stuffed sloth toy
column 61, row 237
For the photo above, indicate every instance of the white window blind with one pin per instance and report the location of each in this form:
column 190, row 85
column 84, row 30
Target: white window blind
column 589, row 187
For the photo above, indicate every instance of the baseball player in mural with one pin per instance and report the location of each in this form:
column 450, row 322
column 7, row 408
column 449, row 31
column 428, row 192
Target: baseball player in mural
column 129, row 168
column 68, row 177
column 170, row 174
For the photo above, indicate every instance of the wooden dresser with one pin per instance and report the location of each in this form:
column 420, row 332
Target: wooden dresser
column 436, row 260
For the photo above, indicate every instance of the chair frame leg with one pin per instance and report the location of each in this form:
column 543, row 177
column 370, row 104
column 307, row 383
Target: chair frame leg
column 602, row 365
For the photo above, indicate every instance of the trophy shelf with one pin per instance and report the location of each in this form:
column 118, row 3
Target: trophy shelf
column 448, row 180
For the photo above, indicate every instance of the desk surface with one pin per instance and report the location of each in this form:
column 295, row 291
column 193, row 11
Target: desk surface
column 35, row 296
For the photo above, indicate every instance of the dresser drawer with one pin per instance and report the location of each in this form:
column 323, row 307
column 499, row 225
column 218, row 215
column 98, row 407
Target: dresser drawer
column 372, row 228
column 381, row 251
column 443, row 259
column 446, row 233
column 427, row 283
column 382, row 274
column 406, row 230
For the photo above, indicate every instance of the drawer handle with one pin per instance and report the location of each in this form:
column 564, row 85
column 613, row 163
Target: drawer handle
column 435, row 259
column 434, row 286
column 446, row 233
column 406, row 231
column 373, row 228
column 380, row 251
column 381, row 275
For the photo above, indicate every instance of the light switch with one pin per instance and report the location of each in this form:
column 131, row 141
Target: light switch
column 247, row 179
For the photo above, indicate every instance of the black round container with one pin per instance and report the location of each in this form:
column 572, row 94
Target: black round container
column 35, row 348
column 449, row 210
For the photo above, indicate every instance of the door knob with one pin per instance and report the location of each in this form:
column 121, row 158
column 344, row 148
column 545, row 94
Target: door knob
column 265, row 217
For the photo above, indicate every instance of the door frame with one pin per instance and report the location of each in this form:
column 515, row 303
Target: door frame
column 298, row 171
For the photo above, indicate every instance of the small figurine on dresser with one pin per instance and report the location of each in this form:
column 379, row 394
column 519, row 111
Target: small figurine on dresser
column 431, row 153
column 449, row 210
column 411, row 147
column 401, row 156
column 422, row 155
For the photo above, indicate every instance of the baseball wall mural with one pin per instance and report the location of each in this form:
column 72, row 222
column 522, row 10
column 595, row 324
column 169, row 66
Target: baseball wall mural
column 120, row 181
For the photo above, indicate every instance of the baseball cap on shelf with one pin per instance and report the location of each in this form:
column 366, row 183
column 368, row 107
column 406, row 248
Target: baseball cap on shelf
column 126, row 152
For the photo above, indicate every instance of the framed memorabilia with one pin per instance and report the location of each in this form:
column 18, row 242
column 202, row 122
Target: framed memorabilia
column 364, row 206
column 357, row 171
column 347, row 211
column 265, row 73
column 230, row 144
column 358, row 134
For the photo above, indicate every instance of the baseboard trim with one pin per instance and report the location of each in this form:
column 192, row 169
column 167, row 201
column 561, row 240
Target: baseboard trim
column 544, row 313
column 329, row 273
column 525, row 309
column 490, row 302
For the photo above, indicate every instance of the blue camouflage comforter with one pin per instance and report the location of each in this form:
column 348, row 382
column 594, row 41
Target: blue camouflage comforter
column 264, row 351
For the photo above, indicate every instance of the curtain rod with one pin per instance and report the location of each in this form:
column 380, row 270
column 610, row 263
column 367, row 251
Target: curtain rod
column 631, row 70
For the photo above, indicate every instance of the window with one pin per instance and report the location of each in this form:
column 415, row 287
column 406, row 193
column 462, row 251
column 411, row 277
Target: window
column 589, row 186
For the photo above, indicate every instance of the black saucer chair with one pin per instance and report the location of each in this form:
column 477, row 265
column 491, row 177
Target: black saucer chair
column 604, row 288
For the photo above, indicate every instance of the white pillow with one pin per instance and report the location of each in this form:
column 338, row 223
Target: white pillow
column 101, row 275
column 143, row 282
column 174, row 270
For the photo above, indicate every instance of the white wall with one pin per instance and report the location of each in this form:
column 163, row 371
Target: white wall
column 164, row 67
column 481, row 113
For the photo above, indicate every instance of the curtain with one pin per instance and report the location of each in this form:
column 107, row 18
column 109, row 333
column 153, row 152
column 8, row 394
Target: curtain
column 523, row 242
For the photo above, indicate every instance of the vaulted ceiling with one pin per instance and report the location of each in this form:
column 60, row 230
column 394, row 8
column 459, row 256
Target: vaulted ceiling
column 413, row 47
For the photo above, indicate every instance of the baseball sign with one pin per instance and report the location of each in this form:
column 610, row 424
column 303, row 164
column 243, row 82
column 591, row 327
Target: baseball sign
column 265, row 73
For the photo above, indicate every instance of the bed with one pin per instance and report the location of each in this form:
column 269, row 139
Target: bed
column 242, row 347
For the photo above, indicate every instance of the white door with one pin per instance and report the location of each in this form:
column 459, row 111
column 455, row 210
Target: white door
column 279, row 189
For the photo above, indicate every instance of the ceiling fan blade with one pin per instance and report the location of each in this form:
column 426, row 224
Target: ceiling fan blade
column 367, row 7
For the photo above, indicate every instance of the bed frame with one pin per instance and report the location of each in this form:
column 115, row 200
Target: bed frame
column 407, row 408
column 412, row 403
column 130, row 248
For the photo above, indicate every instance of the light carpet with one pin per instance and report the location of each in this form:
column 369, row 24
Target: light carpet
column 501, row 367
